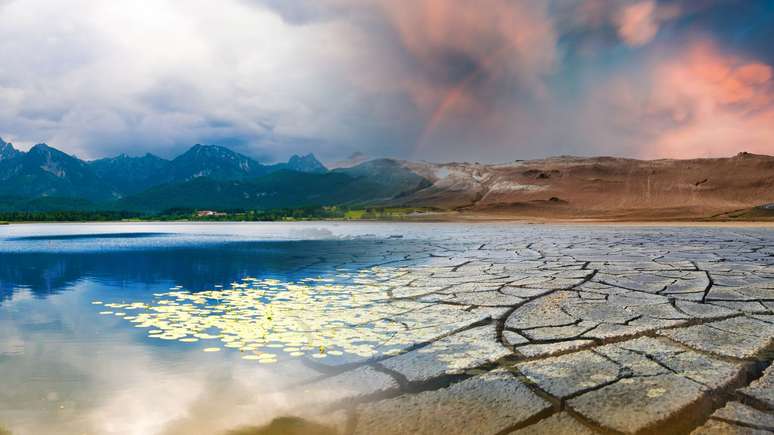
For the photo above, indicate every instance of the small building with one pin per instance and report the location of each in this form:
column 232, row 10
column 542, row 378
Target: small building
column 208, row 213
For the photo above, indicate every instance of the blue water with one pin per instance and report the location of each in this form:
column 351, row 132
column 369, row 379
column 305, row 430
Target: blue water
column 68, row 369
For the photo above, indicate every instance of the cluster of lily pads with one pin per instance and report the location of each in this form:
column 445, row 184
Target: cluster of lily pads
column 266, row 318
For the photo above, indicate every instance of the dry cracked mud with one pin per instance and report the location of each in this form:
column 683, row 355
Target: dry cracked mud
column 640, row 334
column 559, row 331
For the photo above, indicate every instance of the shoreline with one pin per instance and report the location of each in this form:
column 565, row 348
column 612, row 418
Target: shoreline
column 467, row 220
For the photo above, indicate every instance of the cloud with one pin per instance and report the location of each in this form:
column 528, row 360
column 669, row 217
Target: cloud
column 696, row 101
column 493, row 80
column 720, row 103
column 638, row 23
column 461, row 55
column 634, row 23
column 159, row 76
column 333, row 77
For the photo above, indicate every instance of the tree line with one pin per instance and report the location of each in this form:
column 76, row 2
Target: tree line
column 237, row 215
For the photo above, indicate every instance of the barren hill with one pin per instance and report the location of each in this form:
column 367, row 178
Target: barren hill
column 599, row 187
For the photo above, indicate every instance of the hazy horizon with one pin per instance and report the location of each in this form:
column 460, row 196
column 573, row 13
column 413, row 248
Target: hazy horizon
column 435, row 80
column 355, row 157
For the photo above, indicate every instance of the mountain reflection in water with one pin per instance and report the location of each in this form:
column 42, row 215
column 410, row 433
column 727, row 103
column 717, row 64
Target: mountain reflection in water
column 68, row 369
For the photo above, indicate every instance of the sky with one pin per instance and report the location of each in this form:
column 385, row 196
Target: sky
column 436, row 80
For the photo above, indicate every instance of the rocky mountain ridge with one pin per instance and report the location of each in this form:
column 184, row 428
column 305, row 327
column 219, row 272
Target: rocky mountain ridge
column 44, row 171
column 216, row 177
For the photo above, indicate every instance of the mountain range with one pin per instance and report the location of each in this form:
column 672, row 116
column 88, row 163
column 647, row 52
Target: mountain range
column 44, row 171
column 206, row 176
column 217, row 178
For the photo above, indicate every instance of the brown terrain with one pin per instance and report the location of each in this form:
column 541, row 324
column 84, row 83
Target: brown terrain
column 603, row 188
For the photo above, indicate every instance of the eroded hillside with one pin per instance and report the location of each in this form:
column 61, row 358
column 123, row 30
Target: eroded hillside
column 599, row 186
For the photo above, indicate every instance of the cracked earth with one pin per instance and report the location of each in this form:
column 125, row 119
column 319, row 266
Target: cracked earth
column 603, row 333
column 560, row 331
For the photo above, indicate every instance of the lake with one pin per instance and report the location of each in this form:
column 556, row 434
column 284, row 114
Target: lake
column 176, row 328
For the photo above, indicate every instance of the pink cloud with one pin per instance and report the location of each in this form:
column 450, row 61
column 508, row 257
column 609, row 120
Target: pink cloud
column 499, row 40
column 719, row 103
column 482, row 77
column 522, row 29
column 639, row 22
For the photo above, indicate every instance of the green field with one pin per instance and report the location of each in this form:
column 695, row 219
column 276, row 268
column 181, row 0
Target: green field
column 282, row 214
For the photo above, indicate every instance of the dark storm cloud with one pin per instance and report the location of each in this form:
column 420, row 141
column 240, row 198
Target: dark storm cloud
column 494, row 80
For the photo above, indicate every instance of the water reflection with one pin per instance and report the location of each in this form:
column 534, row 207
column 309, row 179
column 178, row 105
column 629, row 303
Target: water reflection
column 91, row 236
column 194, row 268
column 67, row 369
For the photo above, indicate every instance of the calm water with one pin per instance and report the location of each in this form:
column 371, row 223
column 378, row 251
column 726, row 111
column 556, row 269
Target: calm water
column 70, row 367
column 180, row 328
